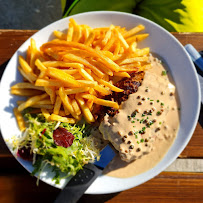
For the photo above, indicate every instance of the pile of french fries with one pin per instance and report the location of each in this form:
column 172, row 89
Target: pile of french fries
column 71, row 74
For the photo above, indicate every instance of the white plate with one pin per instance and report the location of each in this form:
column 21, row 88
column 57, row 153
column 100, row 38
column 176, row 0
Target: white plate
column 162, row 43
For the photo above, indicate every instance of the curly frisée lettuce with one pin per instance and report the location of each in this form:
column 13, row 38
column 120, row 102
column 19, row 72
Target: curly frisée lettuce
column 39, row 141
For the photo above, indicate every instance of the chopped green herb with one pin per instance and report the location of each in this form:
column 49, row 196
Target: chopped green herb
column 132, row 121
column 160, row 123
column 142, row 140
column 148, row 98
column 151, row 100
column 158, row 113
column 157, row 101
column 143, row 115
column 133, row 114
column 138, row 119
column 138, row 142
column 143, row 130
column 141, row 120
column 164, row 72
column 147, row 117
column 162, row 104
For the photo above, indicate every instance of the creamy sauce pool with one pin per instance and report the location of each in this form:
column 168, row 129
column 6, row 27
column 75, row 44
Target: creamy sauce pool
column 145, row 127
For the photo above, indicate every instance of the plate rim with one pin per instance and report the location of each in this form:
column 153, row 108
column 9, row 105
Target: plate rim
column 190, row 133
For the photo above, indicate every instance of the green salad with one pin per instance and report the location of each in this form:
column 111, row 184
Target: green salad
column 64, row 147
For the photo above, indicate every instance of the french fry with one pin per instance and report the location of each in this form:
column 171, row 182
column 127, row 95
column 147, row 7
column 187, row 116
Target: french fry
column 107, row 84
column 27, row 69
column 122, row 74
column 51, row 92
column 106, row 103
column 86, row 112
column 109, row 63
column 84, row 62
column 45, row 106
column 31, row 101
column 100, row 101
column 117, row 48
column 142, row 52
column 31, row 77
column 76, row 107
column 87, row 83
column 85, row 74
column 70, row 33
column 108, row 35
column 62, row 113
column 133, row 31
column 101, row 66
column 76, row 90
column 26, row 85
column 45, row 113
column 93, row 92
column 77, row 32
column 87, row 96
column 132, row 48
column 25, row 92
column 19, row 119
column 122, row 40
column 135, row 59
column 141, row 37
column 33, row 55
column 102, row 90
column 63, row 77
column 41, row 102
column 70, row 71
column 136, row 38
column 66, row 110
column 109, row 44
column 47, row 83
column 57, row 105
column 67, row 102
column 41, row 67
column 60, row 35
column 55, row 117
column 89, row 104
column 90, row 38
column 62, row 64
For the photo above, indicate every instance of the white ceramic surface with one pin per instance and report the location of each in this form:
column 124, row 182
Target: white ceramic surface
column 162, row 43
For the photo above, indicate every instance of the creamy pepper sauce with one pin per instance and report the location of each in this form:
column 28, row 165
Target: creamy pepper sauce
column 146, row 125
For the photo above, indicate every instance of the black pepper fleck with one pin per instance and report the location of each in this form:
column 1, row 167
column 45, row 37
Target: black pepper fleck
column 138, row 150
column 131, row 132
column 131, row 147
column 157, row 129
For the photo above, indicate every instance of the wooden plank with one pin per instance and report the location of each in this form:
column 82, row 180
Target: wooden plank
column 195, row 39
column 194, row 149
column 10, row 40
column 166, row 187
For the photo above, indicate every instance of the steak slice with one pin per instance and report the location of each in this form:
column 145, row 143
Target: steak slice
column 129, row 85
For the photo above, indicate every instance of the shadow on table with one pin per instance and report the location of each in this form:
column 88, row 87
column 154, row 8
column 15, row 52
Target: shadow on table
column 97, row 198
